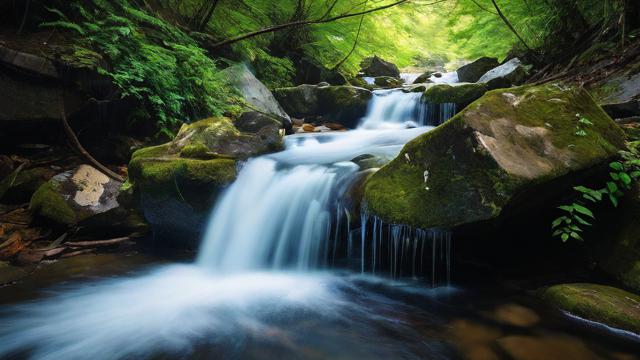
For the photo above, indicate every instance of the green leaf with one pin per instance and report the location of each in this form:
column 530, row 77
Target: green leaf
column 557, row 232
column 583, row 210
column 567, row 208
column 616, row 166
column 581, row 220
column 581, row 133
column 614, row 176
column 589, row 197
column 635, row 174
column 565, row 237
column 576, row 236
column 557, row 222
column 626, row 179
column 614, row 200
column 612, row 187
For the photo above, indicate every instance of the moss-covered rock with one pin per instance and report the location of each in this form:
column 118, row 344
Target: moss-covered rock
column 179, row 181
column 75, row 195
column 424, row 77
column 462, row 93
column 342, row 104
column 603, row 304
column 387, row 82
column 504, row 150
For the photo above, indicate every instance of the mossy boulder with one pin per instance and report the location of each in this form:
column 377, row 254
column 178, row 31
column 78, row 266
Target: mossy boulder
column 603, row 304
column 375, row 66
column 178, row 182
column 424, row 77
column 462, row 93
column 387, row 82
column 19, row 185
column 511, row 148
column 341, row 104
column 75, row 195
column 472, row 72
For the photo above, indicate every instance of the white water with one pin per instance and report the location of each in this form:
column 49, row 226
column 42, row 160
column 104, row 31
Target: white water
column 275, row 218
column 394, row 109
column 446, row 78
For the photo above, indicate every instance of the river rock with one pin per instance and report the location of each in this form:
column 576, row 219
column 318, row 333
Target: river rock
column 178, row 182
column 510, row 148
column 620, row 95
column 255, row 92
column 506, row 75
column 472, row 72
column 375, row 66
column 342, row 104
column 603, row 304
column 75, row 195
column 424, row 77
column 387, row 82
column 309, row 71
column 461, row 93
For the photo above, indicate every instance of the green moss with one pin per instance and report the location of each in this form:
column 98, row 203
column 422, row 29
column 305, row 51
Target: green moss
column 152, row 151
column 475, row 161
column 197, row 150
column 604, row 304
column 458, row 94
column 46, row 202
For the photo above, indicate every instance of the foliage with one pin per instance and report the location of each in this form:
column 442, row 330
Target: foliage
column 622, row 175
column 151, row 61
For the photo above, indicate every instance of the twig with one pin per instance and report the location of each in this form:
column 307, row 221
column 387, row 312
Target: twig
column 75, row 143
column 97, row 242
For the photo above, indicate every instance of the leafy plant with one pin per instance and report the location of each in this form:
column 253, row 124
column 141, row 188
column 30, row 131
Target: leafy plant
column 151, row 61
column 622, row 175
column 583, row 123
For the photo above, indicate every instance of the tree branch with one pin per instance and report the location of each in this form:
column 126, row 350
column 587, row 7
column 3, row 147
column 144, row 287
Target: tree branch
column 355, row 42
column 508, row 23
column 305, row 22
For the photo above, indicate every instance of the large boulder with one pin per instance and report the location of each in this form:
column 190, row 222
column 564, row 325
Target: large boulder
column 255, row 92
column 510, row 148
column 424, row 77
column 341, row 104
column 603, row 304
column 375, row 66
column 309, row 71
column 472, row 72
column 75, row 195
column 178, row 182
column 460, row 93
column 620, row 95
column 387, row 82
column 511, row 73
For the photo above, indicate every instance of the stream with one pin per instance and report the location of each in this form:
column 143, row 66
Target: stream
column 287, row 270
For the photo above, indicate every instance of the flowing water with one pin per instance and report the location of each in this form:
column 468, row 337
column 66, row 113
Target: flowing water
column 287, row 269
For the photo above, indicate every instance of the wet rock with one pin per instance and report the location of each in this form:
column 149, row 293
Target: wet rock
column 388, row 82
column 472, row 72
column 536, row 348
column 620, row 95
column 506, row 75
column 462, row 94
column 424, row 77
column 309, row 71
column 178, row 182
column 75, row 195
column 375, row 66
column 475, row 340
column 255, row 92
column 368, row 161
column 335, row 126
column 308, row 128
column 603, row 304
column 511, row 148
column 343, row 104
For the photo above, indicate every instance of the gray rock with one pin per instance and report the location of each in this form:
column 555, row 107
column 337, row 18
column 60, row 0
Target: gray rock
column 472, row 72
column 375, row 66
column 506, row 75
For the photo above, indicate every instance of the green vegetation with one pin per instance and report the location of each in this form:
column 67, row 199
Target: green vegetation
column 622, row 175
column 150, row 60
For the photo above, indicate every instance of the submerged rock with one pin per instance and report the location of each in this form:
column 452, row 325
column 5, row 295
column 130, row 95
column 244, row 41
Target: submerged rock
column 472, row 72
column 179, row 181
column 462, row 93
column 342, row 104
column 603, row 304
column 506, row 75
column 375, row 66
column 511, row 148
column 75, row 195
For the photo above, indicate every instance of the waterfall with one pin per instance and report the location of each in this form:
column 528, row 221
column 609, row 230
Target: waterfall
column 287, row 210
